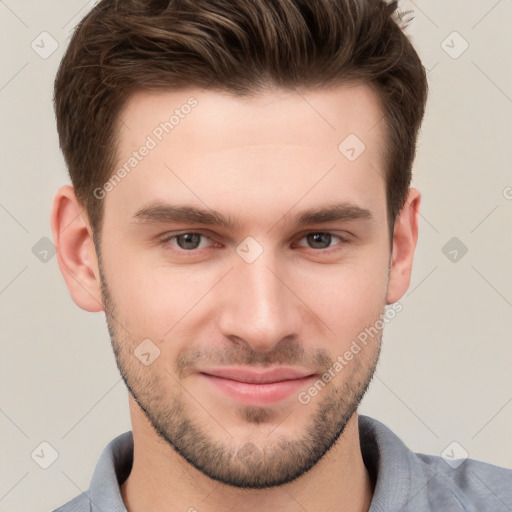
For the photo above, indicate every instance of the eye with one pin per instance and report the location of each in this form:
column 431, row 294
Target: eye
column 192, row 241
column 320, row 240
column 188, row 241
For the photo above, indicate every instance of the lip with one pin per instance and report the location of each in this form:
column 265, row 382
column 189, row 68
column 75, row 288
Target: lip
column 257, row 388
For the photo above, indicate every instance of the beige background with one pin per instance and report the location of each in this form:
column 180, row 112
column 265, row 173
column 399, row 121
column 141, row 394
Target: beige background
column 445, row 372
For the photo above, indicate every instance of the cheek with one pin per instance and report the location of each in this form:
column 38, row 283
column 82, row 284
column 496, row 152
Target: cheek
column 152, row 298
column 347, row 297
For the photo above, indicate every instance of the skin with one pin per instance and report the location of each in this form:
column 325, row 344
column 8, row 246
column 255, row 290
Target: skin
column 261, row 161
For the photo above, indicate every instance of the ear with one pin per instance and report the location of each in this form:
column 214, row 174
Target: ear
column 76, row 253
column 405, row 237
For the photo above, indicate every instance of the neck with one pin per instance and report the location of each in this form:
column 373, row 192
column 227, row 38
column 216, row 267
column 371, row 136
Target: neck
column 162, row 481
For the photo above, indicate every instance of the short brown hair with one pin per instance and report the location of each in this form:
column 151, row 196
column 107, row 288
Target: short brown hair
column 238, row 46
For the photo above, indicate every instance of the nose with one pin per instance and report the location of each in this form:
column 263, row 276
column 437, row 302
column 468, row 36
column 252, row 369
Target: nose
column 258, row 306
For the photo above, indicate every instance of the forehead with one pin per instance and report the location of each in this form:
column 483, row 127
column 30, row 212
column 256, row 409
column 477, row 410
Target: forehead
column 274, row 147
column 353, row 108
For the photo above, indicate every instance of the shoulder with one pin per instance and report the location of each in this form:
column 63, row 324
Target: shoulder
column 474, row 484
column 413, row 482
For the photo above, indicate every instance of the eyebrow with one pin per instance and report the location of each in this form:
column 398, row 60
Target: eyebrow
column 167, row 213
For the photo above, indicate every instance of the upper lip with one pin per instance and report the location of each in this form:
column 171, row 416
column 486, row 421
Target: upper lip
column 253, row 376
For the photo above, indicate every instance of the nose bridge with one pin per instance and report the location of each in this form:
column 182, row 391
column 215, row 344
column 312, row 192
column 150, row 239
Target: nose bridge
column 258, row 308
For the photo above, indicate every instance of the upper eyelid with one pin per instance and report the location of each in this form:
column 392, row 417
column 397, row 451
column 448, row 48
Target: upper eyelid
column 173, row 236
column 301, row 234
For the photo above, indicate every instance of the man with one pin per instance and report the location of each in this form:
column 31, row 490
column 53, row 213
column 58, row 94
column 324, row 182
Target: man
column 241, row 210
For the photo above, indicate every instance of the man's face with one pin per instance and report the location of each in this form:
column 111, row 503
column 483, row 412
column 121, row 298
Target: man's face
column 269, row 288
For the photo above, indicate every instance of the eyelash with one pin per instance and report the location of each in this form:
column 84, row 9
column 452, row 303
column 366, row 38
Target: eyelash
column 342, row 241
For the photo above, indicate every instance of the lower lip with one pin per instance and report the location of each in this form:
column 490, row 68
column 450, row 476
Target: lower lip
column 258, row 394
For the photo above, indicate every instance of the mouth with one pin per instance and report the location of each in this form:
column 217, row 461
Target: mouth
column 258, row 388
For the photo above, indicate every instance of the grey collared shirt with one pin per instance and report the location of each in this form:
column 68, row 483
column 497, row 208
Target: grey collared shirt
column 405, row 481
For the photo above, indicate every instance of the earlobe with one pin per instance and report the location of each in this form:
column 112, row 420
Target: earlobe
column 405, row 237
column 76, row 253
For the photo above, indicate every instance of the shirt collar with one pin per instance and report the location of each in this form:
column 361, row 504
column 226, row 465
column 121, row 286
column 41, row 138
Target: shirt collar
column 112, row 469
